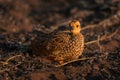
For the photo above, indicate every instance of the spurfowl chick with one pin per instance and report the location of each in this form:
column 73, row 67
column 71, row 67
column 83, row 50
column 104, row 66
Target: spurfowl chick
column 61, row 45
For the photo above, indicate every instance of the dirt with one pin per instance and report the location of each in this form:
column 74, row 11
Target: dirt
column 19, row 20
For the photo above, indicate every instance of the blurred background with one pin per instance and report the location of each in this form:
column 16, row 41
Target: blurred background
column 16, row 15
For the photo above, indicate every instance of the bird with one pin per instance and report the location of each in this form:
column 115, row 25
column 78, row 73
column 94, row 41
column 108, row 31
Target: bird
column 61, row 45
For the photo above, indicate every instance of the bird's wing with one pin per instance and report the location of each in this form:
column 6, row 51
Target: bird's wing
column 58, row 41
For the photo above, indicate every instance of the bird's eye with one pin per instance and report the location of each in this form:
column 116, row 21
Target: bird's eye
column 77, row 26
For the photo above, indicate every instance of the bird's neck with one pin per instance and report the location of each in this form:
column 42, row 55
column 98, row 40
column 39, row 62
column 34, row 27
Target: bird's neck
column 75, row 32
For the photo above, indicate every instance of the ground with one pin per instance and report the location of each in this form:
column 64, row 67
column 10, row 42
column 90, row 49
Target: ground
column 99, row 18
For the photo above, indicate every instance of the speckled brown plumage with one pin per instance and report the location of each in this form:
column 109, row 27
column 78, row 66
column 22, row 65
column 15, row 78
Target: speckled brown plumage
column 60, row 45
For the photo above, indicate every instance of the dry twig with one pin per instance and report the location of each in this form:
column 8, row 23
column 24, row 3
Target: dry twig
column 102, row 38
column 6, row 62
column 99, row 45
column 81, row 59
column 115, row 19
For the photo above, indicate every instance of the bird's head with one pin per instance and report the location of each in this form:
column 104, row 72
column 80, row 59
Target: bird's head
column 75, row 27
